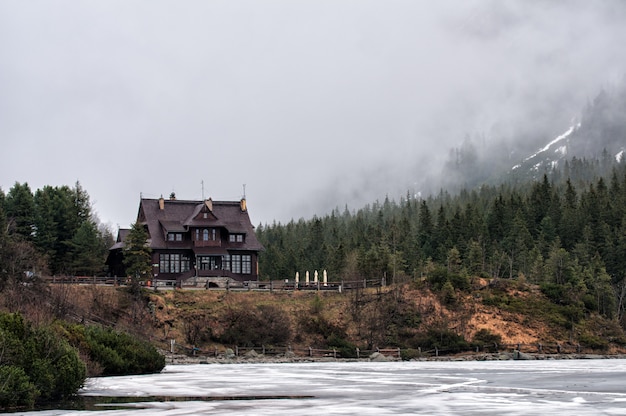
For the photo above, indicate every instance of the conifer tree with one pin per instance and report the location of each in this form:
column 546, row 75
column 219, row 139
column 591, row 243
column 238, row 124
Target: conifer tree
column 137, row 256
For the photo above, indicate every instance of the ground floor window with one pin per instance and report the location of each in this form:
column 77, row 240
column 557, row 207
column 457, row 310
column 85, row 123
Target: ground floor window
column 209, row 262
column 173, row 263
column 241, row 263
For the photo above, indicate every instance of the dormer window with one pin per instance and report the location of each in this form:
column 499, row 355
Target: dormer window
column 174, row 237
column 235, row 238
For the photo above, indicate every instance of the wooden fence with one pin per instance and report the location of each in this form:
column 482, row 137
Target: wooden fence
column 262, row 286
column 396, row 353
column 274, row 351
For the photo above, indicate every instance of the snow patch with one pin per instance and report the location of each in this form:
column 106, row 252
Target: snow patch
column 619, row 156
column 561, row 149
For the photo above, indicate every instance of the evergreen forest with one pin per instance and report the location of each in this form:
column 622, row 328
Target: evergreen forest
column 59, row 225
column 565, row 232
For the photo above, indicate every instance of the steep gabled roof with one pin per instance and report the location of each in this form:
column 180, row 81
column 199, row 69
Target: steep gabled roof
column 121, row 237
column 178, row 215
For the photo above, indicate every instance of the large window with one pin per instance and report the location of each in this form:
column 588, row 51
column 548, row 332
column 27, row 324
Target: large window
column 208, row 262
column 173, row 263
column 241, row 263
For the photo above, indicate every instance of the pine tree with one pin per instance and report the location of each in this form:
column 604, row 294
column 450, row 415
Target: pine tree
column 88, row 250
column 137, row 256
column 20, row 210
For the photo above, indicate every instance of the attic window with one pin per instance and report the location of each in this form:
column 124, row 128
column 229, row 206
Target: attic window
column 205, row 215
column 235, row 238
column 174, row 237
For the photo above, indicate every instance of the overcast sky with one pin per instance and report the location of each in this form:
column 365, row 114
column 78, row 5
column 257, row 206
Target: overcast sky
column 311, row 104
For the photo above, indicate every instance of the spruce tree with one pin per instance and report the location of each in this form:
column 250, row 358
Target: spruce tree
column 137, row 256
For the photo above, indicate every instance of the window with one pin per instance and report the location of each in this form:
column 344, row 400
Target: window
column 173, row 263
column 174, row 237
column 207, row 234
column 226, row 262
column 235, row 263
column 208, row 262
column 246, row 264
column 235, row 238
column 241, row 263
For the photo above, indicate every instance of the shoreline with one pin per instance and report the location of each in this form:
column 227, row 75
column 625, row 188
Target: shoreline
column 180, row 359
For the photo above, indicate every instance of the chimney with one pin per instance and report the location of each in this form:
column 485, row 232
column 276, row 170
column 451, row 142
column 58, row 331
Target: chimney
column 242, row 204
column 161, row 203
column 172, row 196
column 209, row 204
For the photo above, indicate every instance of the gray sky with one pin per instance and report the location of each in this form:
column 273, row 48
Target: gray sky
column 311, row 104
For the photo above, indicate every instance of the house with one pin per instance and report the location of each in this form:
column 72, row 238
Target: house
column 211, row 242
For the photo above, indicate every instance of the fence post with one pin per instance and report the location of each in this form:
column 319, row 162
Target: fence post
column 399, row 353
column 558, row 348
column 172, row 342
column 358, row 352
column 436, row 352
column 310, row 352
column 334, row 353
column 578, row 348
column 236, row 351
column 216, row 351
column 263, row 349
column 495, row 345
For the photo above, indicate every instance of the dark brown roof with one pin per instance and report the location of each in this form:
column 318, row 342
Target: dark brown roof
column 180, row 215
column 121, row 236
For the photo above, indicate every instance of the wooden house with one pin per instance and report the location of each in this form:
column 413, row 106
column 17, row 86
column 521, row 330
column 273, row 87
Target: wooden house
column 211, row 242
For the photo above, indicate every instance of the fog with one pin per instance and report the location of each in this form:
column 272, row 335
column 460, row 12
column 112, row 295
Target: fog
column 311, row 104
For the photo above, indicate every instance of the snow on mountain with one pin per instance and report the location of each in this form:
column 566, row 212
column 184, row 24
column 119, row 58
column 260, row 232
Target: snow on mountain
column 562, row 149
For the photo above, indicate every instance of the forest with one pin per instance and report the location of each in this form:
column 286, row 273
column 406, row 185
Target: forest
column 55, row 228
column 565, row 232
column 46, row 350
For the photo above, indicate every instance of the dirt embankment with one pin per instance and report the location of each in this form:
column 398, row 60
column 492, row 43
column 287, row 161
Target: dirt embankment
column 393, row 316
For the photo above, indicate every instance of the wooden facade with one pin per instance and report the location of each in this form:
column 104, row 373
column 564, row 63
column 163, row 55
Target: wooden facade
column 209, row 241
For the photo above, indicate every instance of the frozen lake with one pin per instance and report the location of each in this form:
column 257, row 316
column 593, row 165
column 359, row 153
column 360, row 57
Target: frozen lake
column 555, row 387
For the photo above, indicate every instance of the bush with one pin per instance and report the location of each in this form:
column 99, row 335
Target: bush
column 438, row 278
column 116, row 353
column 593, row 342
column 16, row 388
column 484, row 337
column 249, row 327
column 345, row 348
column 443, row 339
column 554, row 292
column 410, row 353
column 36, row 364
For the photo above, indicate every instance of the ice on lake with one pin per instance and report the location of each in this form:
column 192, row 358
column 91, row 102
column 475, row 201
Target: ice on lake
column 555, row 387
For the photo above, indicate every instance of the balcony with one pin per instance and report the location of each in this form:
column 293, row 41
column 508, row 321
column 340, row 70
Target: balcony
column 207, row 243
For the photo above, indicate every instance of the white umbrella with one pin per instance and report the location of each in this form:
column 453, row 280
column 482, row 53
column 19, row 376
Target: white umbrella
column 297, row 278
column 306, row 281
column 315, row 277
column 325, row 278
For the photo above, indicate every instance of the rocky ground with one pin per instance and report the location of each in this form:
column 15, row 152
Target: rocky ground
column 252, row 357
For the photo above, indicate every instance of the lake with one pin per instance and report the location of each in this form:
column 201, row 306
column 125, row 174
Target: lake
column 555, row 387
